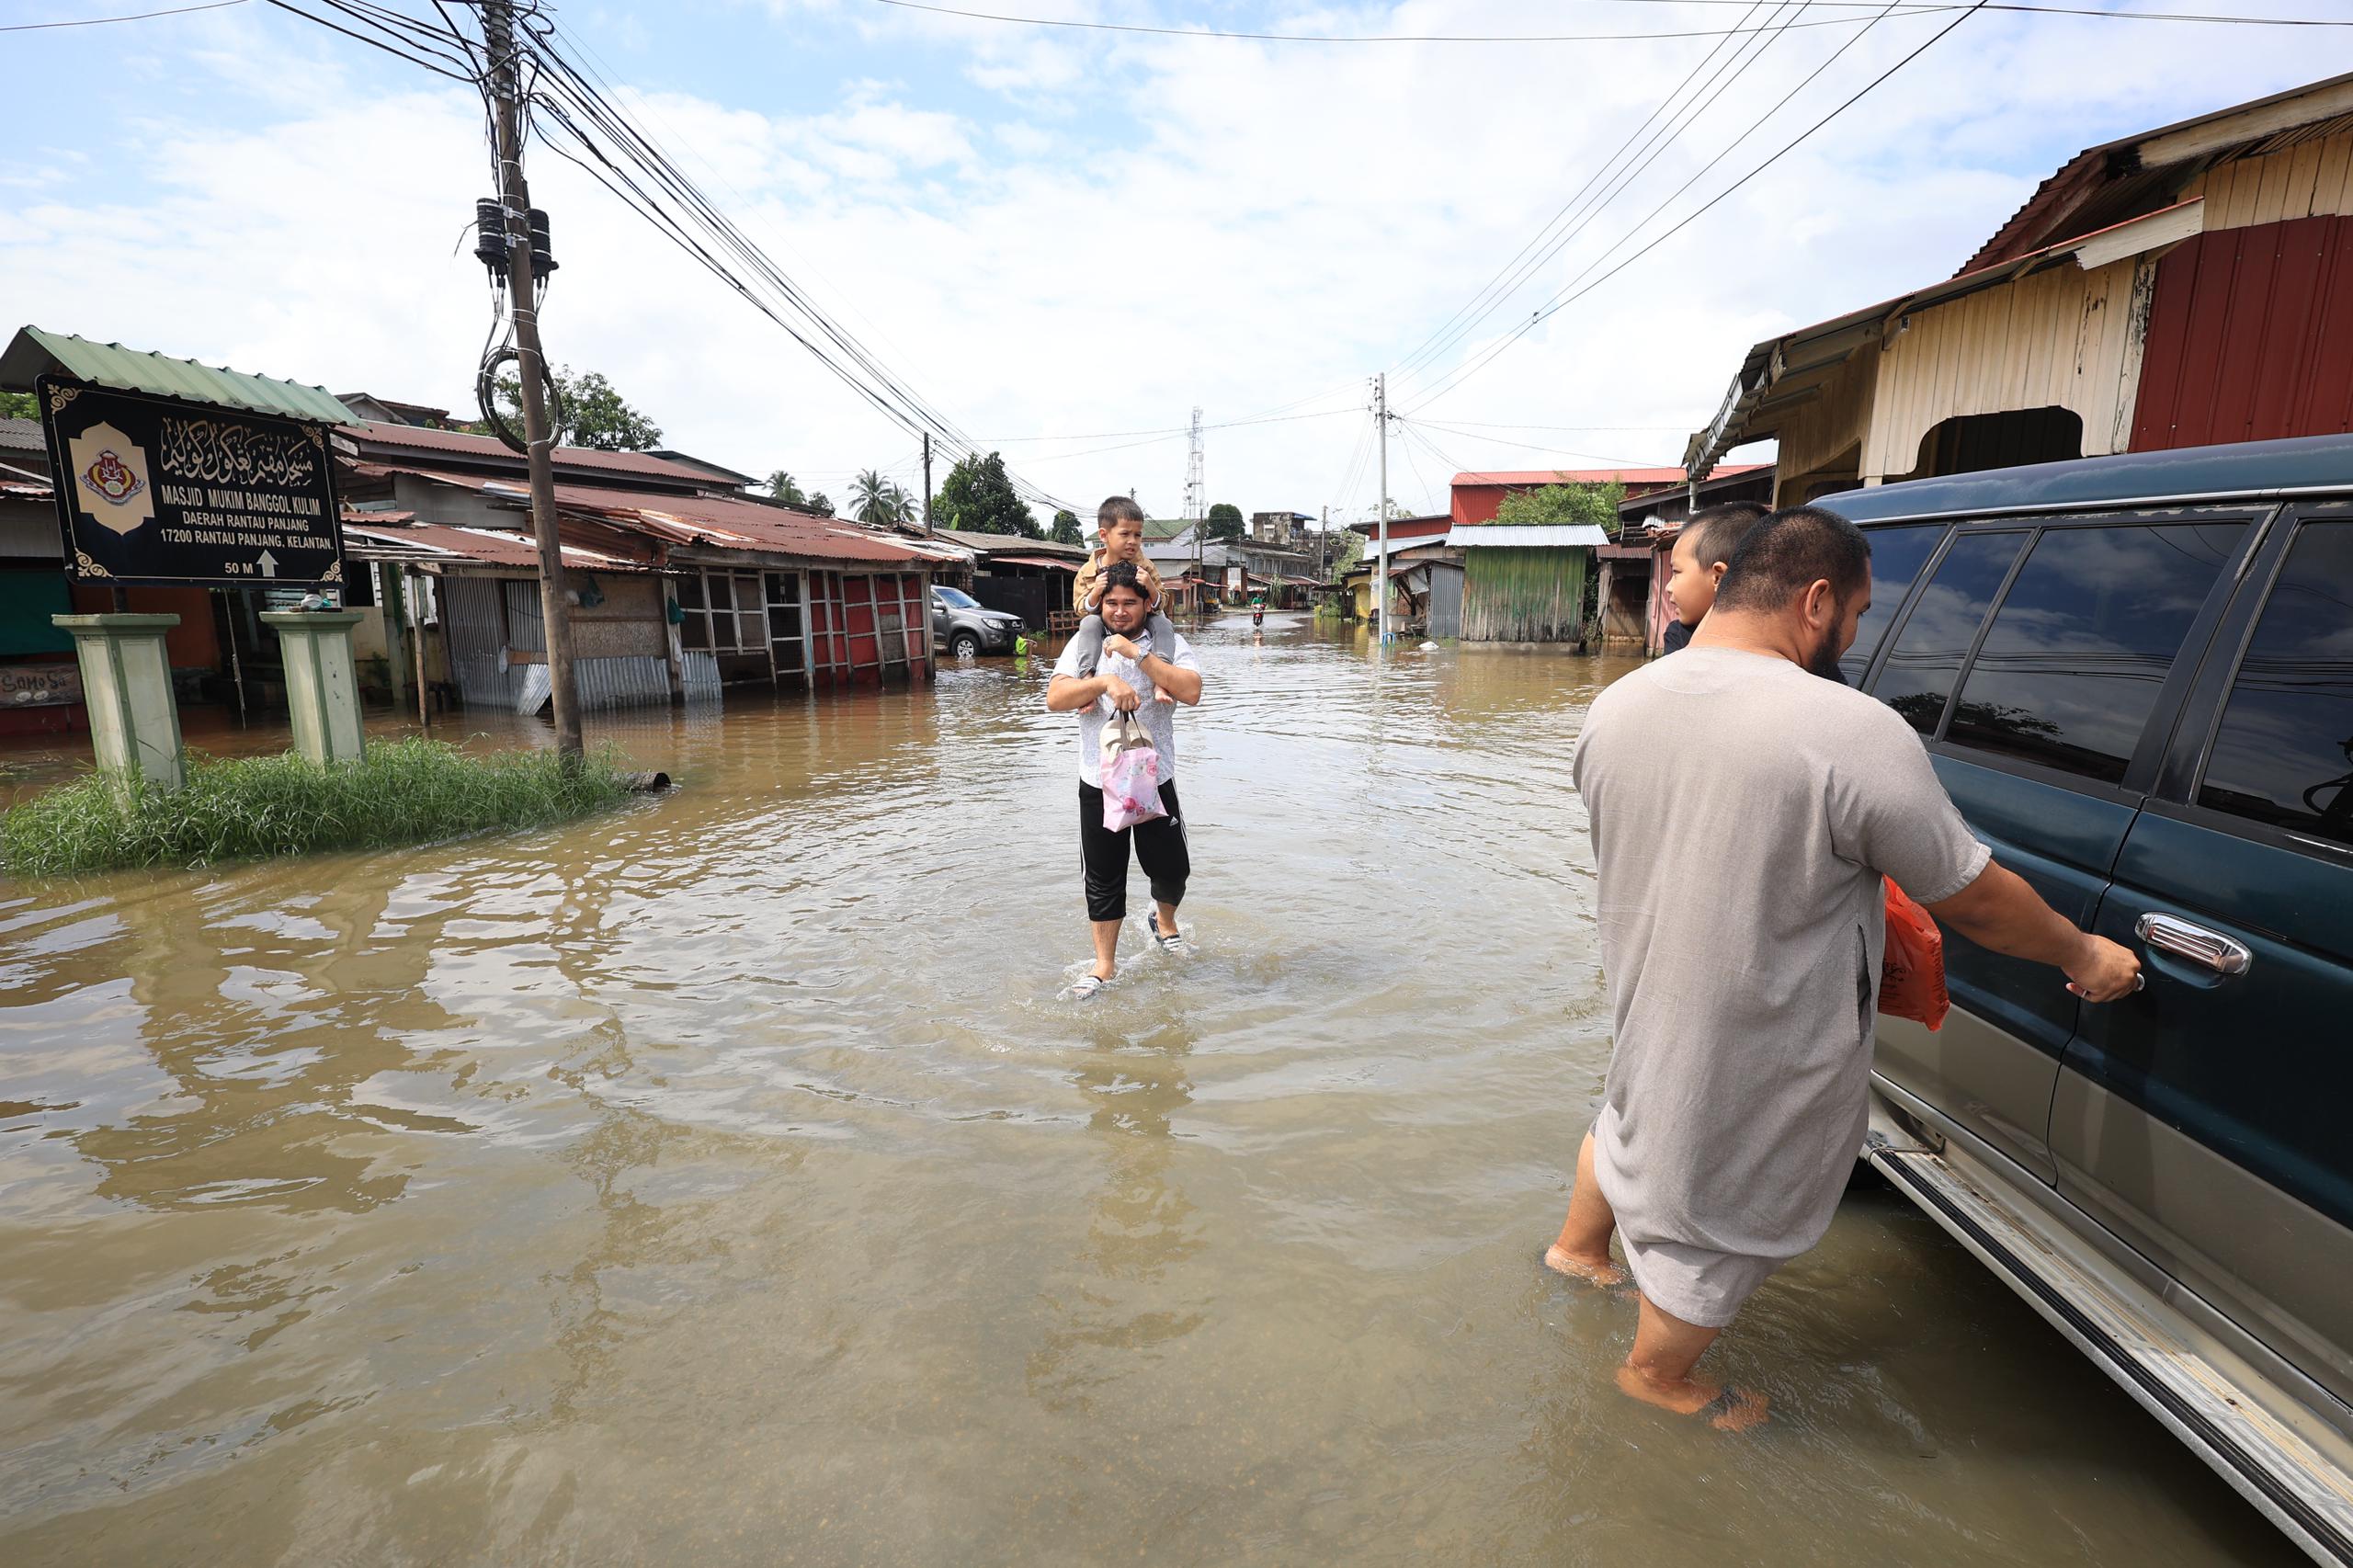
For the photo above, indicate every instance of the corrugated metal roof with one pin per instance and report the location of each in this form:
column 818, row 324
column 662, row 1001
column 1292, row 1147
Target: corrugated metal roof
column 1033, row 561
column 1575, row 475
column 987, row 544
column 2058, row 203
column 418, row 437
column 22, row 436
column 485, row 547
column 1528, row 536
column 35, row 352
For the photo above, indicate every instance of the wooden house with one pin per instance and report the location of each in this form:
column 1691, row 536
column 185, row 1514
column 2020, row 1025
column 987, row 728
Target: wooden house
column 2180, row 287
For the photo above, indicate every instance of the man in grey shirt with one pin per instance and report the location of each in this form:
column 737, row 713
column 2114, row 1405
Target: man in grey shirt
column 1743, row 810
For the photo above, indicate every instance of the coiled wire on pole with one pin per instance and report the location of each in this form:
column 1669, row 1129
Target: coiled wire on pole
column 486, row 396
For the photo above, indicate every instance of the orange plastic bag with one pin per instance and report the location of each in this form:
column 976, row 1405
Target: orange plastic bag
column 1911, row 970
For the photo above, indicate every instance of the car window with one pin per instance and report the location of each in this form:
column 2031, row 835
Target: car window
column 2283, row 754
column 955, row 598
column 1897, row 555
column 1918, row 675
column 2081, row 645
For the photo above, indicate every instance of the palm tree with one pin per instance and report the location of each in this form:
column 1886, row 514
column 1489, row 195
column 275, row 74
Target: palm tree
column 784, row 488
column 873, row 499
column 902, row 506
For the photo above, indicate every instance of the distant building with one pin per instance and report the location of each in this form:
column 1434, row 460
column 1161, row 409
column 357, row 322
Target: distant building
column 1478, row 497
column 1277, row 529
column 390, row 411
column 682, row 584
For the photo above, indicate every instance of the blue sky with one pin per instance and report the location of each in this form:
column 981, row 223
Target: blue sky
column 1063, row 236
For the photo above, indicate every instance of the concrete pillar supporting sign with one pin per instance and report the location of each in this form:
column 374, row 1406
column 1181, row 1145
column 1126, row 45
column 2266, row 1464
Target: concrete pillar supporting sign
column 321, row 682
column 127, row 682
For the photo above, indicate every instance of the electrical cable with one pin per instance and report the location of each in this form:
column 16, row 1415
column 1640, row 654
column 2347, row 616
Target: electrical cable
column 1415, row 465
column 1439, row 340
column 1562, row 300
column 603, row 79
column 1174, row 429
column 1920, row 9
column 103, row 21
column 586, row 116
column 393, row 49
column 1601, row 457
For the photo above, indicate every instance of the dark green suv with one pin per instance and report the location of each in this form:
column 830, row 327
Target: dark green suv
column 2135, row 675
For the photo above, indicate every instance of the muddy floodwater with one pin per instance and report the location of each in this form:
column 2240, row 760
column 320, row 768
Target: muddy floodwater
column 721, row 1181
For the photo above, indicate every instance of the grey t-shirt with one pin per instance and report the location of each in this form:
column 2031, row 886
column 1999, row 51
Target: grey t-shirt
column 1743, row 812
column 1159, row 718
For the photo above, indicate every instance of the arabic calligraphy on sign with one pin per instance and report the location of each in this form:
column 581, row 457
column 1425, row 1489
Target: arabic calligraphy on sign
column 223, row 452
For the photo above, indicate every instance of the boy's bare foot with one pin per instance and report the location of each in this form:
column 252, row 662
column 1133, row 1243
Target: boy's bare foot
column 1726, row 1409
column 1600, row 1271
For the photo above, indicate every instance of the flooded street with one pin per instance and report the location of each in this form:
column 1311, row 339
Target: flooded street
column 722, row 1181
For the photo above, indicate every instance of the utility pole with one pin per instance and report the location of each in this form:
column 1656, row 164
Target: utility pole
column 927, row 483
column 1381, row 577
column 555, row 612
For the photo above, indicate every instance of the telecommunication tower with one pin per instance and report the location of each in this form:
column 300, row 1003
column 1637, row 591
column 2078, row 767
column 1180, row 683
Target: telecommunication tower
column 1195, row 487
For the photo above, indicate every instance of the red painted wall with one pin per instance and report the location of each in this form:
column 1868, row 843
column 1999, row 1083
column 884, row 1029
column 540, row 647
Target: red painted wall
column 191, row 646
column 1480, row 503
column 2250, row 337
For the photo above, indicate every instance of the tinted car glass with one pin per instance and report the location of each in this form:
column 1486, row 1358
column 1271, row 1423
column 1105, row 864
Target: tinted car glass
column 1897, row 555
column 2082, row 644
column 1920, row 668
column 2284, row 753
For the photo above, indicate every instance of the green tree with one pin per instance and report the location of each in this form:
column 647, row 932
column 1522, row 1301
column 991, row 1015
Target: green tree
column 819, row 503
column 782, row 487
column 1571, row 501
column 1347, row 549
column 19, row 405
column 874, row 499
column 1066, row 528
column 590, row 412
column 1225, row 522
column 978, row 497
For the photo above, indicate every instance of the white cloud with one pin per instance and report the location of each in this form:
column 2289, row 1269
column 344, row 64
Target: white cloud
column 1256, row 224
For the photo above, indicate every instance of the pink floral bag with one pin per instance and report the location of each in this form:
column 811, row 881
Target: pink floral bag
column 1130, row 774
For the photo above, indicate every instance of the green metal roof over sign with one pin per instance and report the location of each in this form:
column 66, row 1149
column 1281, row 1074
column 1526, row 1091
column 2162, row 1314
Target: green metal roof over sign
column 35, row 352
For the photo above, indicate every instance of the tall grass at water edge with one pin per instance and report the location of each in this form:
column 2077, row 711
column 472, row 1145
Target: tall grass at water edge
column 411, row 791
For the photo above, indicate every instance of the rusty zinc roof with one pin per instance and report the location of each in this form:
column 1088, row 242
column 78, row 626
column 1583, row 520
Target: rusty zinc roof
column 713, row 522
column 460, row 443
column 482, row 547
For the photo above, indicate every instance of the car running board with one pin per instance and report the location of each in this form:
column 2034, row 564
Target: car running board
column 2148, row 1350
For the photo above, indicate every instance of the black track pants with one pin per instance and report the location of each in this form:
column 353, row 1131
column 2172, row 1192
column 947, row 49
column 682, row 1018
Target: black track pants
column 1160, row 850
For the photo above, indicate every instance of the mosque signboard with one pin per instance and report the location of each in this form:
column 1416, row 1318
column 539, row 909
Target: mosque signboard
column 153, row 490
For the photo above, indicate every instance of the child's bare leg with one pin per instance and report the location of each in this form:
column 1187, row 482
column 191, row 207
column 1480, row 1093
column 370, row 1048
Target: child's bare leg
column 1583, row 1247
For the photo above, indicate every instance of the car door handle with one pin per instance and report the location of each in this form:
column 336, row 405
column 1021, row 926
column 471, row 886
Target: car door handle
column 2199, row 946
